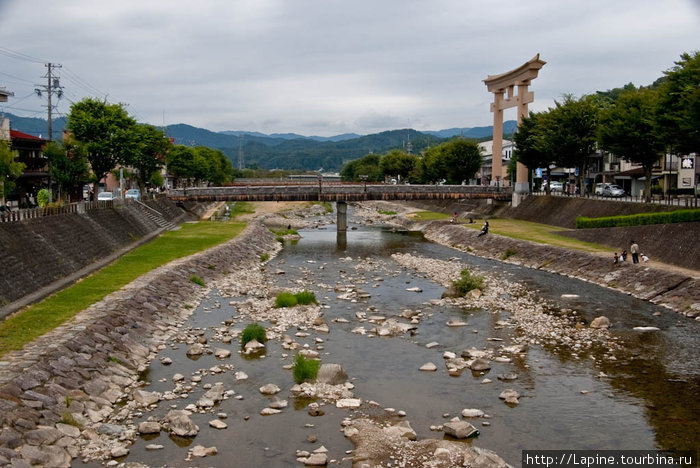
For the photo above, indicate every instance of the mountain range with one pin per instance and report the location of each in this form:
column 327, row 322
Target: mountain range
column 289, row 150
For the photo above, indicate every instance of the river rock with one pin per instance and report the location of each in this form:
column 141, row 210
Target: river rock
column 197, row 349
column 332, row 374
column 218, row 424
column 269, row 411
column 428, row 367
column 645, row 329
column 401, row 430
column 269, row 389
column 119, row 451
column 253, row 346
column 510, row 396
column 222, row 353
column 316, row 459
column 460, row 429
column 472, row 413
column 181, row 424
column 68, row 430
column 314, row 409
column 201, row 451
column 240, row 375
column 149, row 427
column 50, row 455
column 348, row 403
column 414, row 289
column 456, row 323
column 144, row 398
column 480, row 365
column 508, row 376
column 600, row 322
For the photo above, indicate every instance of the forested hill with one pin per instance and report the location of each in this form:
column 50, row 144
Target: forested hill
column 286, row 151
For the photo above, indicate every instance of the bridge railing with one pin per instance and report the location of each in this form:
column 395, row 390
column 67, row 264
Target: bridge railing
column 354, row 192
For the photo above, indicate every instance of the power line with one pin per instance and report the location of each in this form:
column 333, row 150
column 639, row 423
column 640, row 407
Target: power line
column 19, row 55
column 15, row 77
column 72, row 76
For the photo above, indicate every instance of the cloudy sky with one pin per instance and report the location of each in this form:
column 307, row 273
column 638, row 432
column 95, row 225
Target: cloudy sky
column 325, row 67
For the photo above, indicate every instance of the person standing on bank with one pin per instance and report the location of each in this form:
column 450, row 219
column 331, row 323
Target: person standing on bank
column 634, row 250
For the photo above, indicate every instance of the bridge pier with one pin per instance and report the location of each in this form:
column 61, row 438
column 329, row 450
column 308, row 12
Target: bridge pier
column 342, row 216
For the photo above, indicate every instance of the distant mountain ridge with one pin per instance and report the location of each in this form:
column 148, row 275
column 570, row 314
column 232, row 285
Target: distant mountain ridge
column 289, row 150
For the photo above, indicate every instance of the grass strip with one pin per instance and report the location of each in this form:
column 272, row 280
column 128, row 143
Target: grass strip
column 35, row 320
column 539, row 233
column 428, row 216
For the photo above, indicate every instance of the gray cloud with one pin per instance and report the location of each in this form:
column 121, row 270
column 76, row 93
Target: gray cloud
column 333, row 66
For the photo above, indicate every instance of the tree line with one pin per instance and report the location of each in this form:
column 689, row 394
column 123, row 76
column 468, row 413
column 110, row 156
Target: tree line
column 639, row 125
column 102, row 137
column 452, row 162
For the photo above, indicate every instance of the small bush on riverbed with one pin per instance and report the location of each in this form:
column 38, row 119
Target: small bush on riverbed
column 508, row 253
column 286, row 299
column 305, row 369
column 254, row 331
column 306, row 297
column 467, row 282
column 197, row 280
column 265, row 257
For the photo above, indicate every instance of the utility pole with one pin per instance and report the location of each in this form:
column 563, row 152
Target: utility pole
column 52, row 86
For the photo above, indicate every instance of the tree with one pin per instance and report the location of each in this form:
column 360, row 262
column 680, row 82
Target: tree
column 679, row 105
column 218, row 166
column 9, row 169
column 153, row 146
column 462, row 160
column 179, row 160
column 367, row 165
column 573, row 132
column 68, row 165
column 532, row 147
column 397, row 163
column 629, row 130
column 107, row 133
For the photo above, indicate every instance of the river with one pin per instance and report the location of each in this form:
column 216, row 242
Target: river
column 645, row 397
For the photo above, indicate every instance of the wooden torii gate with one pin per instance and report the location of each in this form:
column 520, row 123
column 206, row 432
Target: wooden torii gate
column 503, row 88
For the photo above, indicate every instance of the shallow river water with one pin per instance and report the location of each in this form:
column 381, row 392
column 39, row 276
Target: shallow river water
column 647, row 399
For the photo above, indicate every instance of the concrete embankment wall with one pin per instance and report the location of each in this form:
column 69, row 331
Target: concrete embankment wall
column 676, row 244
column 676, row 291
column 37, row 252
column 84, row 366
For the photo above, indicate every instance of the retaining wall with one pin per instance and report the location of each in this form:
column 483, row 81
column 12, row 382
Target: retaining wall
column 37, row 252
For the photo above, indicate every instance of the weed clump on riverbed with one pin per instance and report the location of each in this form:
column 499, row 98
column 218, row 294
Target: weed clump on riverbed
column 254, row 331
column 305, row 369
column 287, row 299
column 467, row 282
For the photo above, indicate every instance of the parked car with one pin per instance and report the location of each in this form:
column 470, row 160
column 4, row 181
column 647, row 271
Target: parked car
column 555, row 186
column 106, row 196
column 613, row 191
column 134, row 194
column 599, row 188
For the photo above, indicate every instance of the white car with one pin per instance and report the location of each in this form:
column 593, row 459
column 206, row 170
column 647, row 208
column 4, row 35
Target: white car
column 134, row 194
column 613, row 191
column 555, row 186
column 106, row 196
column 599, row 188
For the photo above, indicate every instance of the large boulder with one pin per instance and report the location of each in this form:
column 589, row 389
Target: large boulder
column 460, row 429
column 601, row 322
column 180, row 423
column 332, row 374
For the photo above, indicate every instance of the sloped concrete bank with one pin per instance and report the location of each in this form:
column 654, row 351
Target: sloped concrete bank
column 75, row 375
column 38, row 252
column 673, row 290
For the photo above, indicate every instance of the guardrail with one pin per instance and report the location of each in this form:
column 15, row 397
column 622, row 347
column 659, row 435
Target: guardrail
column 33, row 213
column 682, row 201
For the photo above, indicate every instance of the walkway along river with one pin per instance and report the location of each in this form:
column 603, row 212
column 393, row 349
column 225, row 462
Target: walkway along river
column 382, row 318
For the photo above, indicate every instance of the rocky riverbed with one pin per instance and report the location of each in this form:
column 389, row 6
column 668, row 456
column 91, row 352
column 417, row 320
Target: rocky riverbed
column 81, row 393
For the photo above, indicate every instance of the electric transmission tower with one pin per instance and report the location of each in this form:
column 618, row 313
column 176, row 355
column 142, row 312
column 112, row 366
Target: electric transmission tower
column 241, row 157
column 51, row 88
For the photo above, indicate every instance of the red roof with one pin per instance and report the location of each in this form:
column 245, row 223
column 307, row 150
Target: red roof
column 14, row 134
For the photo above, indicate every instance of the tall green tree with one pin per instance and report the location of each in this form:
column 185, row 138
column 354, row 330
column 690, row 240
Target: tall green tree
column 397, row 163
column 153, row 146
column 68, row 165
column 462, row 160
column 573, row 132
column 180, row 163
column 678, row 112
column 107, row 133
column 629, row 129
column 218, row 167
column 10, row 169
column 368, row 165
column 533, row 148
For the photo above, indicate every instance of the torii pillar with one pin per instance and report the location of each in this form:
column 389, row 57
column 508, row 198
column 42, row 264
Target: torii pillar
column 503, row 87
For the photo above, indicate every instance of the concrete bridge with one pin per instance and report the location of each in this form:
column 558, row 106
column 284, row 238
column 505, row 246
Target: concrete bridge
column 339, row 193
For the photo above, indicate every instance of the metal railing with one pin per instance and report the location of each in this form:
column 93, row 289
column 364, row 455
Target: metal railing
column 681, row 201
column 78, row 207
